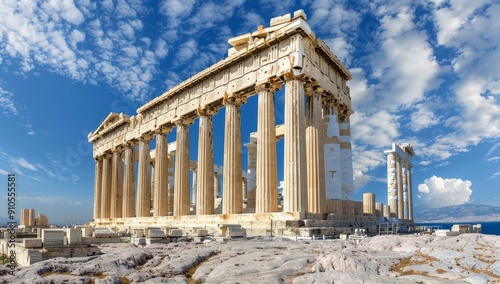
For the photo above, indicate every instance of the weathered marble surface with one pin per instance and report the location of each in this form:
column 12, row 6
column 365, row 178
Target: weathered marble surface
column 470, row 258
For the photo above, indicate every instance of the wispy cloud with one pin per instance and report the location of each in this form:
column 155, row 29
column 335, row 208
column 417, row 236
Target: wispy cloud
column 50, row 200
column 7, row 102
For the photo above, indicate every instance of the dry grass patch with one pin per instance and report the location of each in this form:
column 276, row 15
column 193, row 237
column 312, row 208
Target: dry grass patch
column 410, row 261
column 440, row 271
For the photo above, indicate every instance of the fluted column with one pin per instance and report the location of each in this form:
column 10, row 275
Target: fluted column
column 216, row 185
column 106, row 186
column 369, row 206
column 205, row 175
column 181, row 179
column 392, row 190
column 295, row 191
column 331, row 130
column 316, row 193
column 143, row 208
column 232, row 201
column 346, row 154
column 160, row 200
column 251, row 173
column 128, row 209
column 266, row 199
column 97, row 187
column 116, row 185
column 410, row 194
column 399, row 176
column 404, row 173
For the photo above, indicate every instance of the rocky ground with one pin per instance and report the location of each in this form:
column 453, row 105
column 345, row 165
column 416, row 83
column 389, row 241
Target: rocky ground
column 470, row 258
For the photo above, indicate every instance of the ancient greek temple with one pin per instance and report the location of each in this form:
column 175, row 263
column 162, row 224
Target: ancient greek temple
column 138, row 186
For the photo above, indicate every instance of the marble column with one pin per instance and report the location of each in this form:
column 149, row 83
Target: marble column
column 392, row 190
column 232, row 201
column 316, row 193
column 266, row 197
column 128, row 209
column 116, row 185
column 295, row 191
column 404, row 173
column 346, row 154
column 143, row 207
column 160, row 199
column 97, row 187
column 369, row 204
column 216, row 185
column 399, row 176
column 205, row 176
column 251, row 173
column 106, row 187
column 410, row 195
column 331, row 130
column 194, row 188
column 171, row 179
column 181, row 180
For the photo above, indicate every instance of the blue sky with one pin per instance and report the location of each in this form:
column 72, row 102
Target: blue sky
column 425, row 73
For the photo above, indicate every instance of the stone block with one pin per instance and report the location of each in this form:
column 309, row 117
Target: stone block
column 176, row 233
column 87, row 231
column 155, row 233
column 32, row 243
column 74, row 236
column 52, row 237
column 200, row 232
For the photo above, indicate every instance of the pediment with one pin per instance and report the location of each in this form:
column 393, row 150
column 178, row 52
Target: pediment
column 112, row 121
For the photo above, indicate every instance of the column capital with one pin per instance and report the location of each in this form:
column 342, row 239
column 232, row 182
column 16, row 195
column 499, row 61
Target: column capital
column 312, row 89
column 330, row 100
column 98, row 158
column 107, row 155
column 184, row 121
column 146, row 137
column 267, row 86
column 206, row 111
column 234, row 100
column 163, row 130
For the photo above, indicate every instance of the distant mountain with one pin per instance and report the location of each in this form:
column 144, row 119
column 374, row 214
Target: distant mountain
column 459, row 213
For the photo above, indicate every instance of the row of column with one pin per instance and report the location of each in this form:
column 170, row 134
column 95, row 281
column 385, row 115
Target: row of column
column 399, row 186
column 304, row 168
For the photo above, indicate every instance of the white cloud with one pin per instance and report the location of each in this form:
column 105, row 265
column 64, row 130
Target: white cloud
column 439, row 192
column 7, row 103
column 25, row 164
column 378, row 129
column 3, row 172
column 495, row 175
column 78, row 42
column 423, row 118
column 52, row 200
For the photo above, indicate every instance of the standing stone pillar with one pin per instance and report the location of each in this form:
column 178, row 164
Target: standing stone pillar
column 106, row 187
column 369, row 204
column 404, row 173
column 346, row 155
column 181, row 180
column 295, row 191
column 97, row 187
column 266, row 198
column 410, row 194
column 160, row 193
column 251, row 173
column 331, row 130
column 205, row 177
column 216, row 185
column 171, row 179
column 315, row 153
column 232, row 201
column 116, row 185
column 194, row 188
column 392, row 190
column 399, row 176
column 128, row 209
column 143, row 208
column 379, row 208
